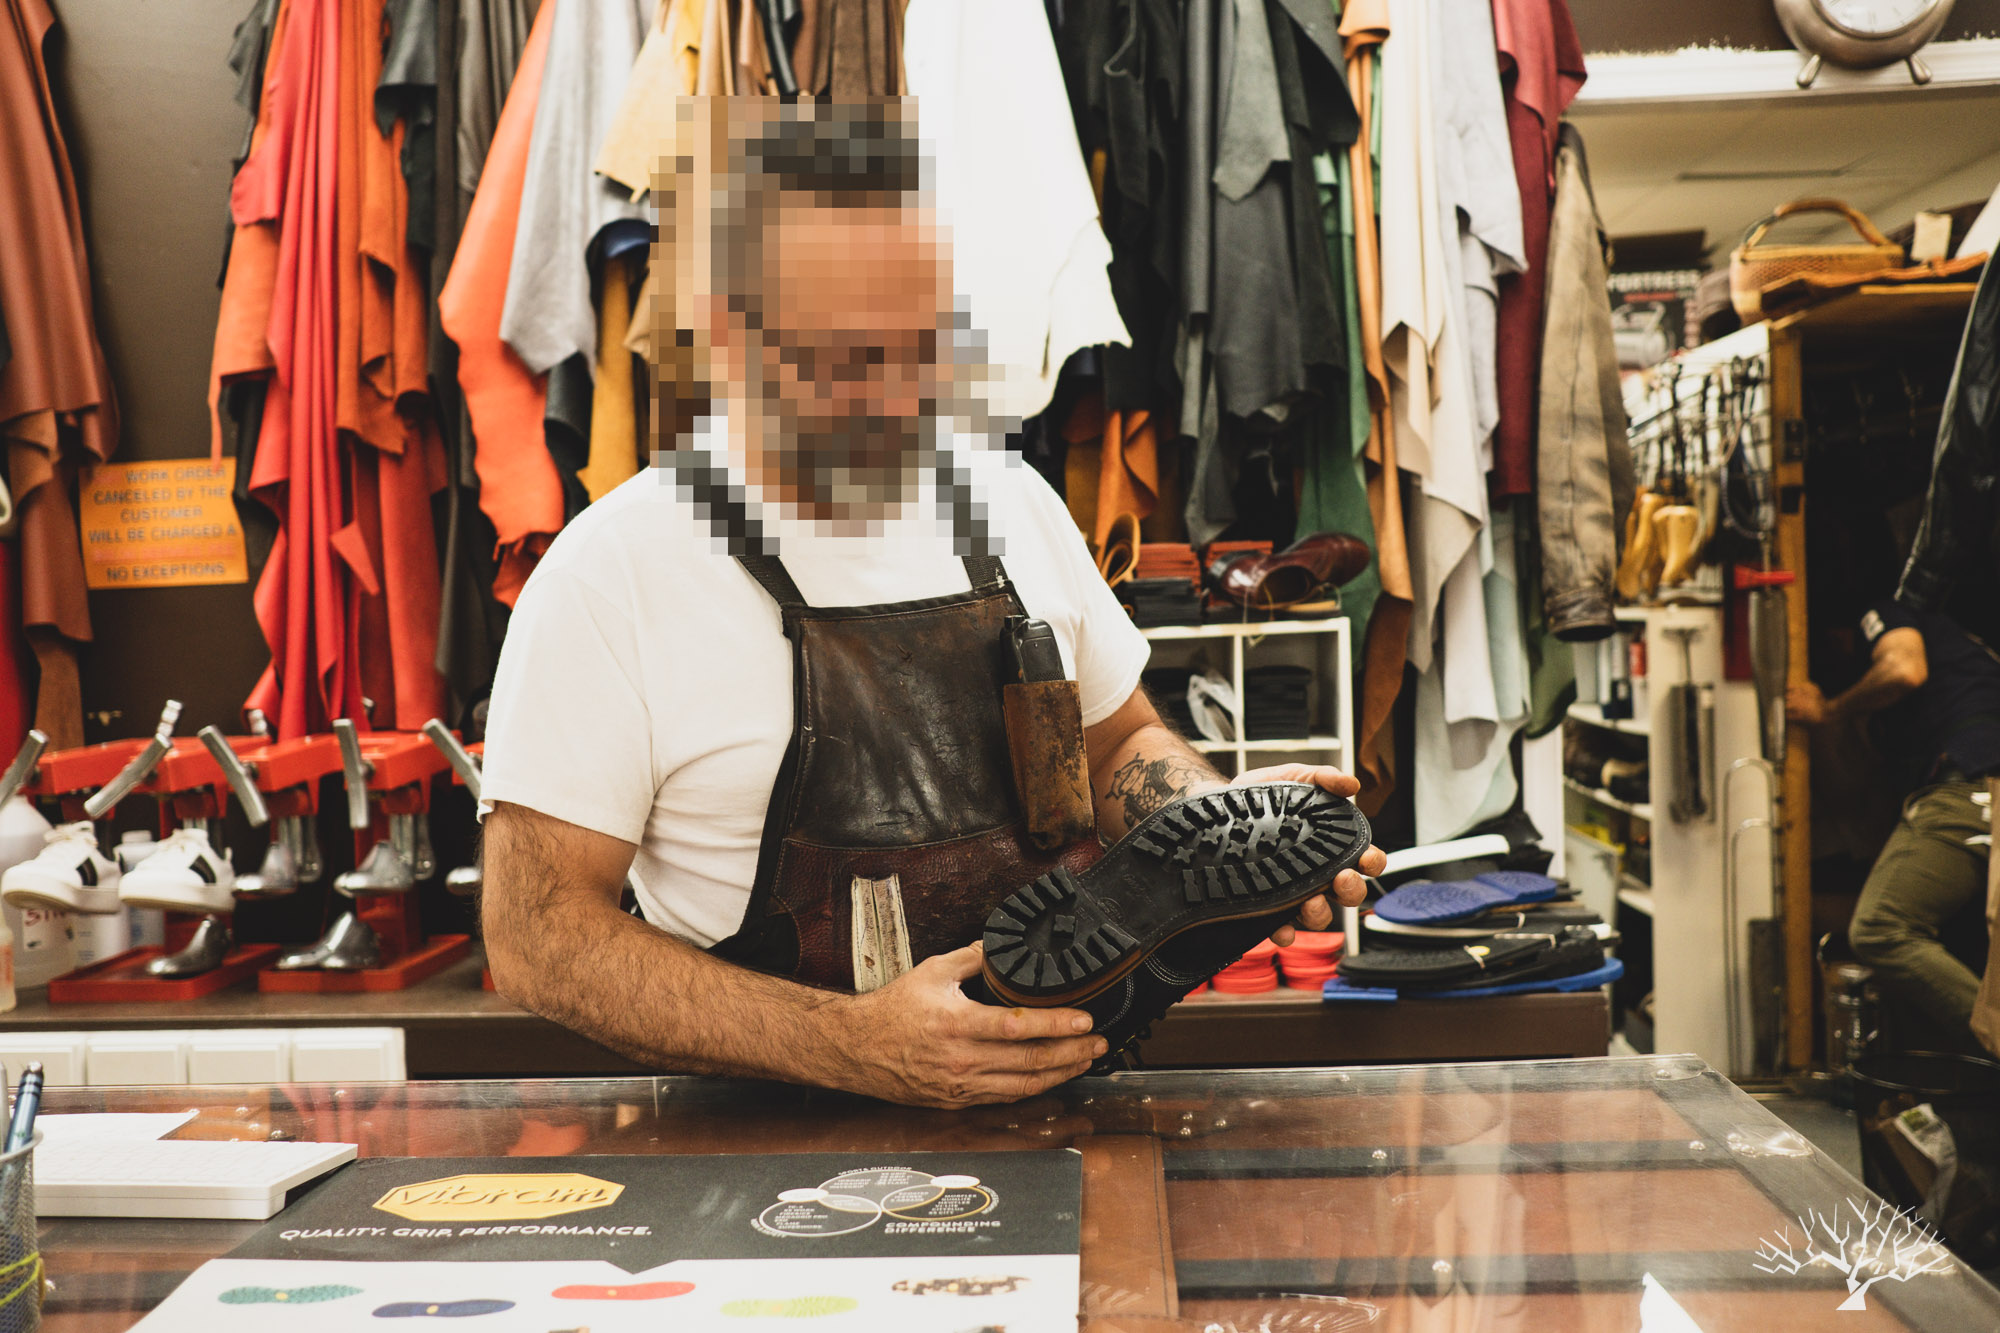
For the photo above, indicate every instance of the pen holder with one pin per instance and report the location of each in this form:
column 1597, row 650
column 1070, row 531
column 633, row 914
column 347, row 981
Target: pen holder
column 20, row 1246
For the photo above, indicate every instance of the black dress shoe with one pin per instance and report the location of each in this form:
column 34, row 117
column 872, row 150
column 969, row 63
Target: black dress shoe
column 1181, row 896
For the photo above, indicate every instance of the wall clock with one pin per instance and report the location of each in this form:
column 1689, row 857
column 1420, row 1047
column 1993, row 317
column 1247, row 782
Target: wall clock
column 1862, row 34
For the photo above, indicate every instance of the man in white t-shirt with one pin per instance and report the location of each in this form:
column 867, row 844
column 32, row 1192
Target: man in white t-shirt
column 763, row 680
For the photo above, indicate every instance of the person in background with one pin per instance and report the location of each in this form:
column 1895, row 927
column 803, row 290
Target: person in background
column 1930, row 700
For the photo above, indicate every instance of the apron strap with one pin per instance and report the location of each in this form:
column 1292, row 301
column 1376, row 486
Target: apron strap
column 956, row 505
column 984, row 571
column 708, row 486
column 770, row 571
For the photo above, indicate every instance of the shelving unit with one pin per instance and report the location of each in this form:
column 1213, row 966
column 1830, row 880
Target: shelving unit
column 1592, row 715
column 1677, row 930
column 1635, row 895
column 1602, row 797
column 1327, row 646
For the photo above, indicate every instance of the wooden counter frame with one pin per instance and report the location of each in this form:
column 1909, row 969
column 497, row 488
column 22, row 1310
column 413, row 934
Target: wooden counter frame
column 453, row 1029
column 1866, row 313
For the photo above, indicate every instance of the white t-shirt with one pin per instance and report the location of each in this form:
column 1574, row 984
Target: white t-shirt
column 645, row 686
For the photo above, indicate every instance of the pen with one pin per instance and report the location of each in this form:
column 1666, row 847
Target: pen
column 27, row 1101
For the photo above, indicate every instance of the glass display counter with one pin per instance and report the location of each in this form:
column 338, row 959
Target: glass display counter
column 1588, row 1195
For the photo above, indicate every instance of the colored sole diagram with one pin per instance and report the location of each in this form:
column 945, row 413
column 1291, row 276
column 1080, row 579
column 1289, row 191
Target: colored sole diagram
column 441, row 1309
column 798, row 1307
column 637, row 1291
column 287, row 1295
column 961, row 1286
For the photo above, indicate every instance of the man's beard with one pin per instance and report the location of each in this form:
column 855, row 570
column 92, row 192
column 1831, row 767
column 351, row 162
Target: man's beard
column 853, row 466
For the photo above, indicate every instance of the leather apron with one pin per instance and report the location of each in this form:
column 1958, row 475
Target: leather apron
column 894, row 826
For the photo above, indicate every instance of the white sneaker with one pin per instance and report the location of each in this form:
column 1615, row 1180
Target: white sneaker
column 68, row 874
column 185, row 874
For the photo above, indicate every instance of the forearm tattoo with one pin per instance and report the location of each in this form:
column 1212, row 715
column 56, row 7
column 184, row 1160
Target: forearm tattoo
column 1143, row 785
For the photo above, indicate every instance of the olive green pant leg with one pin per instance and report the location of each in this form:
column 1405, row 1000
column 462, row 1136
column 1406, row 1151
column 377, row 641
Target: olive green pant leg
column 1926, row 879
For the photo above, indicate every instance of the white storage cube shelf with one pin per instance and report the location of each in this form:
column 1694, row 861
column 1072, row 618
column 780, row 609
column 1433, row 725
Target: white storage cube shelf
column 1231, row 648
column 210, row 1055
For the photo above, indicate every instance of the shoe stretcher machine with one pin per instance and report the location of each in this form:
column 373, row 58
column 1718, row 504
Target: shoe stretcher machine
column 465, row 760
column 191, row 785
column 287, row 775
column 379, row 943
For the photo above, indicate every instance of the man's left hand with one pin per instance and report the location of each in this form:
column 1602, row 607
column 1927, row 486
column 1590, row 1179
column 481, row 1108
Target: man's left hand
column 1349, row 887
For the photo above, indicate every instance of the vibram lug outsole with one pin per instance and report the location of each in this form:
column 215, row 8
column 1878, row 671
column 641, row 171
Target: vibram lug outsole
column 1220, row 856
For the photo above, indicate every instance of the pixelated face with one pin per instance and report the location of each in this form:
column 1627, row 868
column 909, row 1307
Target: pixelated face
column 843, row 363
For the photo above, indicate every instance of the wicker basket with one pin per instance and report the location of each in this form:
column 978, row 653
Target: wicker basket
column 1754, row 266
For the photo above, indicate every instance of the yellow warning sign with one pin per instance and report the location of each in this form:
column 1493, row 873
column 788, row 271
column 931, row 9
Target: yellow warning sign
column 165, row 524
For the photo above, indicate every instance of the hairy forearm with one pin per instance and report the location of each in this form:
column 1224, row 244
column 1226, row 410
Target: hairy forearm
column 1142, row 773
column 1884, row 684
column 656, row 999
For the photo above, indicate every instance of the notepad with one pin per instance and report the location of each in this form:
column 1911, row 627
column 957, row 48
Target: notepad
column 88, row 1166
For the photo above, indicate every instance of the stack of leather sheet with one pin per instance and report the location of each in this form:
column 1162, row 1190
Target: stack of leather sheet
column 1507, row 959
column 1167, row 560
column 1276, row 705
column 1495, row 928
column 1469, row 930
column 1168, row 601
column 1229, row 550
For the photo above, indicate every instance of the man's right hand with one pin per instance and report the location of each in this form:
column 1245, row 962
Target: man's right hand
column 919, row 1041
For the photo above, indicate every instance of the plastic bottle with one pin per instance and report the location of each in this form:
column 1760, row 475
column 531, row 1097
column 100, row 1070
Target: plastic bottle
column 99, row 937
column 21, row 838
column 7, row 998
column 44, row 947
column 145, row 926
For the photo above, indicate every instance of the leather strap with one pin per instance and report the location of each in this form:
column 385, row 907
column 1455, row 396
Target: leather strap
column 1856, row 219
column 770, row 572
column 709, row 487
column 958, row 506
column 985, row 571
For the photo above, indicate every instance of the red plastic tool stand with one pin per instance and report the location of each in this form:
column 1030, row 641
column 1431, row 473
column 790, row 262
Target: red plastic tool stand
column 289, row 772
column 1748, row 577
column 189, row 782
column 122, row 978
column 401, row 766
column 70, row 776
column 398, row 974
column 399, row 925
column 400, row 759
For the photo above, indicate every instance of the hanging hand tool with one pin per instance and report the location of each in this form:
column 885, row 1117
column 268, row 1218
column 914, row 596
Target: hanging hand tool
column 1688, row 714
column 1770, row 652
